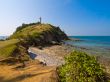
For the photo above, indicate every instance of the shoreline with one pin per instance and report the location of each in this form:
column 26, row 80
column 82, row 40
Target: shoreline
column 51, row 57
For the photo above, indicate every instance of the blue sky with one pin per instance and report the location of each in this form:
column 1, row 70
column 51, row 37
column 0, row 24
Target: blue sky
column 75, row 17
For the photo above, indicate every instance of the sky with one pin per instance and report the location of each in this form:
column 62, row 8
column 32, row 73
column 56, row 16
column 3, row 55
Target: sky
column 75, row 17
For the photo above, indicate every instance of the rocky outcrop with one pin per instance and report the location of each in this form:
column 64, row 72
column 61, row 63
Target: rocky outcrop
column 40, row 34
column 51, row 55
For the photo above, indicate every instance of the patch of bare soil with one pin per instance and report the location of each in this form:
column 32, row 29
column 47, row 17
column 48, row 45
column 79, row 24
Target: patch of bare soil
column 31, row 73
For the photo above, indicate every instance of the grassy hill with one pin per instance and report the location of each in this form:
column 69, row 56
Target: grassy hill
column 33, row 34
column 37, row 34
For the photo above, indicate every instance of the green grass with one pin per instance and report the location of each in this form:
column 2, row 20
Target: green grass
column 7, row 47
column 32, row 30
column 8, row 42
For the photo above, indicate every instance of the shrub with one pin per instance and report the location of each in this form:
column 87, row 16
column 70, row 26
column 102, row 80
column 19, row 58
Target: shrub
column 80, row 67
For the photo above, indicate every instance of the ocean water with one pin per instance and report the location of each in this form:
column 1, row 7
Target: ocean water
column 3, row 37
column 96, row 45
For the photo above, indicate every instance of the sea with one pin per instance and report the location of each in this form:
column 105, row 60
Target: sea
column 3, row 37
column 93, row 45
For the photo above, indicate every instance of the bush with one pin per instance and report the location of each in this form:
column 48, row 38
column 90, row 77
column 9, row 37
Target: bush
column 80, row 67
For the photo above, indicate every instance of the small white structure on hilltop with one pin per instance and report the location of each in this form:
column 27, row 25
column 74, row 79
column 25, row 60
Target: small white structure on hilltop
column 40, row 20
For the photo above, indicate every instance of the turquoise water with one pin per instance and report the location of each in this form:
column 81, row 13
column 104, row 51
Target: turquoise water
column 97, row 45
column 91, row 41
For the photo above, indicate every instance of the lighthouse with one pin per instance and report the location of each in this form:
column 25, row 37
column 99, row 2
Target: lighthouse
column 40, row 20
